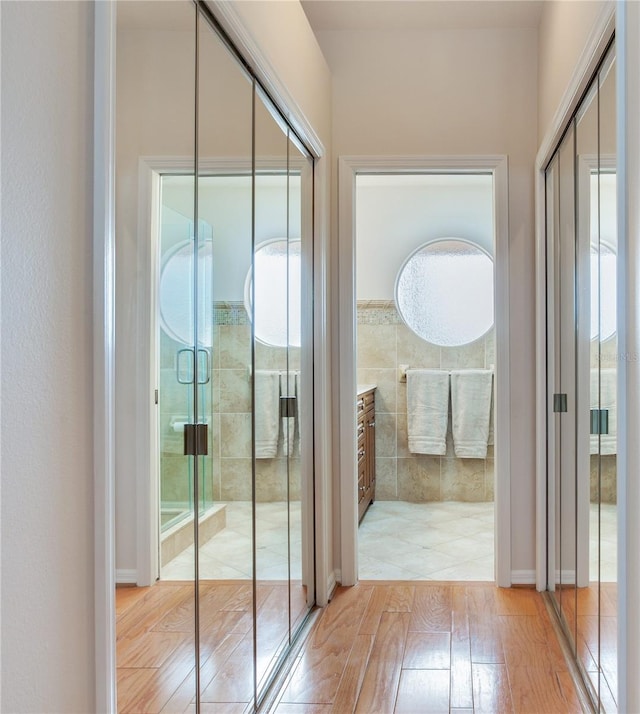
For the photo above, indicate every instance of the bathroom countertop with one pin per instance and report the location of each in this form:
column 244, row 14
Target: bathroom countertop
column 362, row 388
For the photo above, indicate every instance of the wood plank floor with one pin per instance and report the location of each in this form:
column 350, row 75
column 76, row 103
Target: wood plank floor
column 430, row 647
column 382, row 647
column 155, row 643
column 591, row 615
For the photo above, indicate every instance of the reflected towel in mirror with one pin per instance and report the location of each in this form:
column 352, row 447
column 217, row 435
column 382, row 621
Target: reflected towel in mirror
column 267, row 412
column 603, row 396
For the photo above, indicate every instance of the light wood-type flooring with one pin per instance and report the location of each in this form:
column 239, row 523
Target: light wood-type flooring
column 388, row 647
column 591, row 617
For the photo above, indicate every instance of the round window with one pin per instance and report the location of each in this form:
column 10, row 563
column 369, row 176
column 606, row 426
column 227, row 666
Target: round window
column 277, row 289
column 444, row 292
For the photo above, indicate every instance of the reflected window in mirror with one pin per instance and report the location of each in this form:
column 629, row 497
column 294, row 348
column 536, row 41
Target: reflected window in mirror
column 176, row 289
column 603, row 292
column 444, row 292
column 277, row 284
column 603, row 250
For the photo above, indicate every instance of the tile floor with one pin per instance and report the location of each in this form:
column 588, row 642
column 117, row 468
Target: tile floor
column 227, row 556
column 396, row 541
column 447, row 540
column 608, row 543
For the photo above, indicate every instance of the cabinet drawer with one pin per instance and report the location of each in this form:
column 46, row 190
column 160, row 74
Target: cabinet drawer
column 361, row 485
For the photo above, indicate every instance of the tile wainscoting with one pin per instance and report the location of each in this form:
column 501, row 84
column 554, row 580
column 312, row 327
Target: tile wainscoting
column 383, row 343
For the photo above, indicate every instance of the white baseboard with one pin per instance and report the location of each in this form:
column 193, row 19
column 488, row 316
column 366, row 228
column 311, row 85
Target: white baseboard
column 332, row 583
column 126, row 577
column 566, row 577
column 523, row 577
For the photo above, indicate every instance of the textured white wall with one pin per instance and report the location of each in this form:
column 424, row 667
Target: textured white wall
column 282, row 32
column 47, row 471
column 457, row 92
column 564, row 29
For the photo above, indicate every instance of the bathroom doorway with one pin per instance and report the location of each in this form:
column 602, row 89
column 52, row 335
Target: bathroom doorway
column 427, row 271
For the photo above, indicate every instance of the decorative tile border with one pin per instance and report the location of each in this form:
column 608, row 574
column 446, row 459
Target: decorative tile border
column 377, row 312
column 230, row 313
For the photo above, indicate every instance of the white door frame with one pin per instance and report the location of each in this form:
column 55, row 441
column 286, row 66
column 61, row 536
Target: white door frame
column 348, row 168
column 150, row 172
column 628, row 166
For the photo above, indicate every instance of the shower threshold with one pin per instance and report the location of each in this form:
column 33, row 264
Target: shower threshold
column 179, row 536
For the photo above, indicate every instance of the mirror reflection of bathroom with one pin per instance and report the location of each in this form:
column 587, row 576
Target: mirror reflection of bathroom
column 227, row 197
column 425, row 374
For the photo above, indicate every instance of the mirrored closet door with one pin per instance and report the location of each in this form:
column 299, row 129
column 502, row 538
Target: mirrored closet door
column 214, row 210
column 582, row 378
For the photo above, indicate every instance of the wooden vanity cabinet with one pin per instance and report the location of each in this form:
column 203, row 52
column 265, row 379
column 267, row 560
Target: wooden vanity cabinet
column 366, row 440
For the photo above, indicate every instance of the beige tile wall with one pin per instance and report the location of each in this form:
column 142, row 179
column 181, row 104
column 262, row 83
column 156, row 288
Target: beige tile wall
column 383, row 343
column 603, row 477
column 227, row 400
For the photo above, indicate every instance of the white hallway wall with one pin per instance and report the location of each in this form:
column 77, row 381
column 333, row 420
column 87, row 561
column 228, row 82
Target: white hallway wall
column 565, row 27
column 47, row 425
column 457, row 92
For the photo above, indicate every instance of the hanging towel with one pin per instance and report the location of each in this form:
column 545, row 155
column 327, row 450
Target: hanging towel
column 606, row 400
column 267, row 413
column 470, row 410
column 288, row 382
column 427, row 410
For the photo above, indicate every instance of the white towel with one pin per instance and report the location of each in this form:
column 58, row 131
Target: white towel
column 288, row 388
column 470, row 410
column 267, row 413
column 427, row 410
column 605, row 400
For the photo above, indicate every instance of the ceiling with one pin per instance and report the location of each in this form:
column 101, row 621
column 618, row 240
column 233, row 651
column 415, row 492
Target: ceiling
column 421, row 14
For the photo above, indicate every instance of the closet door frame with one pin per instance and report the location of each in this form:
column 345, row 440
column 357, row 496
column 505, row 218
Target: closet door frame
column 104, row 324
column 628, row 168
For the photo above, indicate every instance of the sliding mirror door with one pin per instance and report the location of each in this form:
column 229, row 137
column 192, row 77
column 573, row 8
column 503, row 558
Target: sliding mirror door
column 155, row 228
column 300, row 341
column 215, row 243
column 225, row 537
column 607, row 541
column 278, row 290
column 582, row 359
column 562, row 365
column 597, row 236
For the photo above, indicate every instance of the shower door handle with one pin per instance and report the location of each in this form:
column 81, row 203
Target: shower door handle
column 207, row 371
column 185, row 368
column 196, row 439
